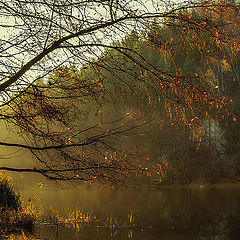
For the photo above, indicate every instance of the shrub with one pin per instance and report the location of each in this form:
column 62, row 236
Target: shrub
column 12, row 214
column 8, row 198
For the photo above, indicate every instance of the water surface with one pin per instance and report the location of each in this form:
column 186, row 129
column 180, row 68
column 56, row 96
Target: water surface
column 156, row 214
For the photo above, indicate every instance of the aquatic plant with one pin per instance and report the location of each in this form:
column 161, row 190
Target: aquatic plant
column 77, row 219
column 131, row 218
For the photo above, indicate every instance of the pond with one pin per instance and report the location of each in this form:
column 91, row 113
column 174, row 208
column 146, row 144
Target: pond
column 137, row 214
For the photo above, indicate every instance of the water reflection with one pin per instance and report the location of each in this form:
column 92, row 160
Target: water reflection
column 204, row 214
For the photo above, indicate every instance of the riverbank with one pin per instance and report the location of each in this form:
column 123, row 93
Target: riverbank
column 200, row 186
column 196, row 185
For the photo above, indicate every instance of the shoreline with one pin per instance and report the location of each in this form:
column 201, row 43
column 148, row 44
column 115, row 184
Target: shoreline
column 220, row 185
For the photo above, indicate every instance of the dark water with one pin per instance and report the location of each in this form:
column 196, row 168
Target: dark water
column 212, row 214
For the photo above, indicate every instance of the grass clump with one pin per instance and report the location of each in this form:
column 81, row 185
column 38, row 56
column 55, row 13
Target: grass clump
column 12, row 214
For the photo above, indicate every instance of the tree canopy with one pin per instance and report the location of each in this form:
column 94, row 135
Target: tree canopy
column 61, row 62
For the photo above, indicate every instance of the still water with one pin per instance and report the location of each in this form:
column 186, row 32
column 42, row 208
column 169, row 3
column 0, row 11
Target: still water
column 138, row 214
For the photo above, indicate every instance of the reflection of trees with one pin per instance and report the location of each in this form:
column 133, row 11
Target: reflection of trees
column 206, row 213
column 218, row 231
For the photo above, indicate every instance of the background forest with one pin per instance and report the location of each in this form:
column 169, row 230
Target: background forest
column 169, row 145
column 156, row 103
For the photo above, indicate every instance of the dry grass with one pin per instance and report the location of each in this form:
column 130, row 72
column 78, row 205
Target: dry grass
column 12, row 219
